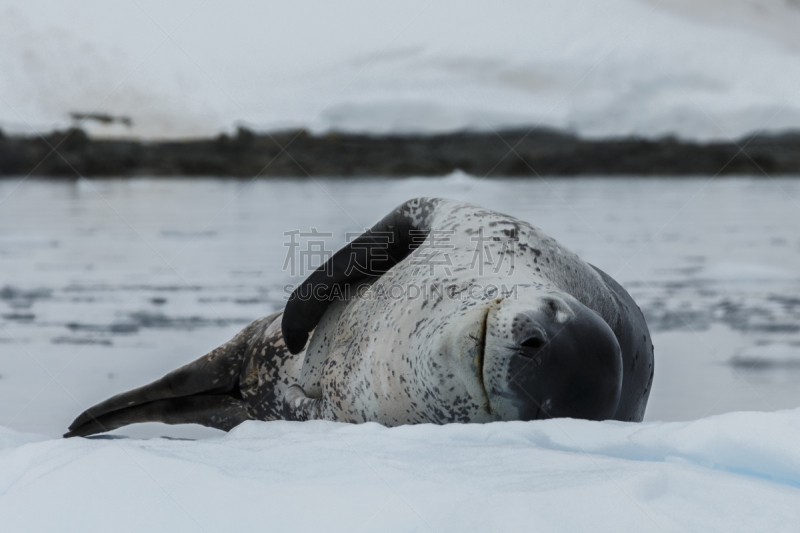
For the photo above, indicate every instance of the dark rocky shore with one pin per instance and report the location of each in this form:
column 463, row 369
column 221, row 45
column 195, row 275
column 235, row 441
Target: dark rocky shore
column 71, row 153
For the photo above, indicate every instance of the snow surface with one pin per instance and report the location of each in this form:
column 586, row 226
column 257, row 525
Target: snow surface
column 734, row 472
column 698, row 69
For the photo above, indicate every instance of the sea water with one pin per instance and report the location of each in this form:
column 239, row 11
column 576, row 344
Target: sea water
column 108, row 284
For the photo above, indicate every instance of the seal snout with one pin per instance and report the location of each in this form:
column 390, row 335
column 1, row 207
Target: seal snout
column 561, row 360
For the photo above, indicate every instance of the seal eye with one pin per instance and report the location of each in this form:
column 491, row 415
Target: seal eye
column 532, row 342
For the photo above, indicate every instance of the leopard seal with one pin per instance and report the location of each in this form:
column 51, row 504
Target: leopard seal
column 441, row 312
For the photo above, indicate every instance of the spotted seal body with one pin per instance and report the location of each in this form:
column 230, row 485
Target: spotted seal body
column 442, row 312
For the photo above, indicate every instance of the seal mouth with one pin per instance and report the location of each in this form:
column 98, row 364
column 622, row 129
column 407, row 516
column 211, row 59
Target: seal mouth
column 480, row 359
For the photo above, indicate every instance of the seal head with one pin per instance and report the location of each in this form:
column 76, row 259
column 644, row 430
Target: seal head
column 554, row 359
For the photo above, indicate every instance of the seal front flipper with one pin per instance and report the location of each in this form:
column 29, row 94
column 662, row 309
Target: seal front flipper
column 370, row 255
column 297, row 406
column 204, row 392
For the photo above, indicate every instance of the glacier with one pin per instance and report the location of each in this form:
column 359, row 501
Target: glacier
column 708, row 69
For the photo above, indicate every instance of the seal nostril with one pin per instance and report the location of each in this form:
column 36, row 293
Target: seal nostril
column 532, row 342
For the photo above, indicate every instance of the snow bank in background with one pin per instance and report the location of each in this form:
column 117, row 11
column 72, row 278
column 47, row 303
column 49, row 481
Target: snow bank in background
column 699, row 69
column 735, row 472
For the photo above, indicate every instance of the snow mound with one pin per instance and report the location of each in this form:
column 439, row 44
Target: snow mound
column 734, row 472
column 700, row 69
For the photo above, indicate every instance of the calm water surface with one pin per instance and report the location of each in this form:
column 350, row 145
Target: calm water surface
column 106, row 285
